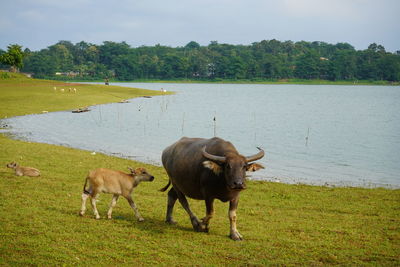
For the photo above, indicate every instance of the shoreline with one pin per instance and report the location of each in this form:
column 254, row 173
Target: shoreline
column 244, row 81
column 279, row 179
column 271, row 179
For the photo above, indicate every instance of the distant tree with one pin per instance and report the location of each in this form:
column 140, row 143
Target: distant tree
column 344, row 65
column 173, row 66
column 13, row 57
column 197, row 64
column 389, row 67
column 236, row 68
column 376, row 48
column 344, row 46
column 307, row 66
column 110, row 50
column 367, row 62
column 63, row 57
column 192, row 45
column 267, row 59
column 2, row 65
column 126, row 67
column 79, row 52
column 270, row 67
column 40, row 63
column 92, row 54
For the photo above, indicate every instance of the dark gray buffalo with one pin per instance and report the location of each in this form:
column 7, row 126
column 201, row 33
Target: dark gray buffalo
column 206, row 169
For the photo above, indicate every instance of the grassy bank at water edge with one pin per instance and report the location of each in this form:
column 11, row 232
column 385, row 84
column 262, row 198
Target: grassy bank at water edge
column 20, row 95
column 282, row 224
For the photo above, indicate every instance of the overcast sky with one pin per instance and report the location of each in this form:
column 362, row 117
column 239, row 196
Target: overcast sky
column 37, row 24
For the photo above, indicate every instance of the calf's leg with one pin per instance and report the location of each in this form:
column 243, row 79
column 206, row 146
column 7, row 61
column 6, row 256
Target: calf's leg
column 83, row 207
column 135, row 209
column 93, row 201
column 112, row 205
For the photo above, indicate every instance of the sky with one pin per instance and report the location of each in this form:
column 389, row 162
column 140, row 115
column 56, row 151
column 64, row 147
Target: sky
column 37, row 24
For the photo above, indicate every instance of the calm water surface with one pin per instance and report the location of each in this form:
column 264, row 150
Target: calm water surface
column 337, row 135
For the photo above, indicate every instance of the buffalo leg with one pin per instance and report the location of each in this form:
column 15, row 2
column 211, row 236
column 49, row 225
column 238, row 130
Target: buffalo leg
column 197, row 225
column 209, row 212
column 172, row 197
column 234, row 234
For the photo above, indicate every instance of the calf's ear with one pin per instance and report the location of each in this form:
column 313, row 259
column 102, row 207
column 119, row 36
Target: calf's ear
column 212, row 166
column 254, row 167
column 132, row 170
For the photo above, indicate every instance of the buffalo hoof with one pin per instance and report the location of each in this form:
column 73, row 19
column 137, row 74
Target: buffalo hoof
column 140, row 219
column 170, row 221
column 205, row 225
column 236, row 236
column 199, row 226
column 203, row 228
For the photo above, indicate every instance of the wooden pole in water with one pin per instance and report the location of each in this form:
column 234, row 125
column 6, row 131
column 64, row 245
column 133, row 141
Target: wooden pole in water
column 183, row 122
column 308, row 134
column 118, row 120
column 101, row 119
column 255, row 128
column 215, row 124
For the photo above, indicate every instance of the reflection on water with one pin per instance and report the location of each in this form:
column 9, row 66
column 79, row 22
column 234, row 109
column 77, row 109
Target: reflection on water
column 338, row 135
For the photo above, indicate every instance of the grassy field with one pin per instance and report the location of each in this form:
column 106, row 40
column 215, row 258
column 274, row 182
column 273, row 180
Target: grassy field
column 287, row 225
column 20, row 95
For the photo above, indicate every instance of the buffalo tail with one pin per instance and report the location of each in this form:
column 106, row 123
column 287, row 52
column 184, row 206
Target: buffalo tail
column 165, row 187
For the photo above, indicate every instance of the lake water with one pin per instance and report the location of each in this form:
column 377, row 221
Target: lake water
column 336, row 135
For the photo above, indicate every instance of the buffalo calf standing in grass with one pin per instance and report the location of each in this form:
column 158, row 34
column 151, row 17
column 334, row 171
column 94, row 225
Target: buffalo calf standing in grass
column 116, row 183
column 23, row 171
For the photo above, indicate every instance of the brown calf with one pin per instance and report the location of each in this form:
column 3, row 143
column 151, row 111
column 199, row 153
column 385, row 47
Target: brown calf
column 23, row 171
column 116, row 183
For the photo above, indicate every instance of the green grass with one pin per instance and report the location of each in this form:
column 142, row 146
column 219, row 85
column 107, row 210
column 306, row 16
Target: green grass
column 21, row 96
column 287, row 225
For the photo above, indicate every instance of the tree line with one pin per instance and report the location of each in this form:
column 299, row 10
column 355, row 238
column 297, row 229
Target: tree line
column 265, row 60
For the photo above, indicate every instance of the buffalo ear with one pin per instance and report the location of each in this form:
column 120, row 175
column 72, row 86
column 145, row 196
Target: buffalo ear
column 212, row 166
column 254, row 167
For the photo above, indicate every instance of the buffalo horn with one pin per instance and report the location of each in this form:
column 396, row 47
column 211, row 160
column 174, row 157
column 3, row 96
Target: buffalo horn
column 213, row 157
column 255, row 157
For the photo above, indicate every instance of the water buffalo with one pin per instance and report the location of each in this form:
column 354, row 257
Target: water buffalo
column 206, row 169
